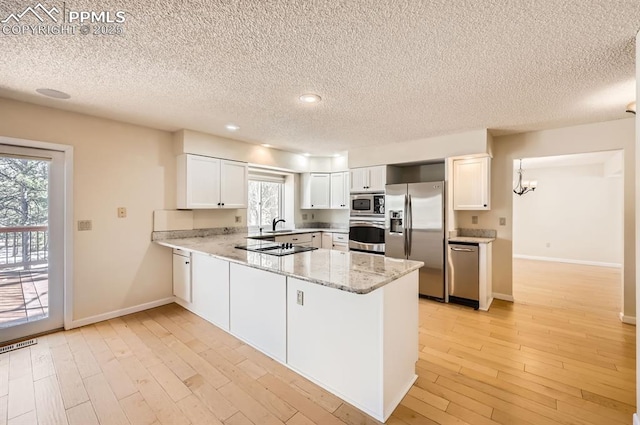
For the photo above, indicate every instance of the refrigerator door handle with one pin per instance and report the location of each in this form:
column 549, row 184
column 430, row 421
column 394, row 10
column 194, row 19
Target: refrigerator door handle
column 410, row 228
column 406, row 229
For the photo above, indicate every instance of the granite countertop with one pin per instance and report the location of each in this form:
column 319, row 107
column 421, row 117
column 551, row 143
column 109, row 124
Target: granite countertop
column 282, row 232
column 471, row 239
column 348, row 271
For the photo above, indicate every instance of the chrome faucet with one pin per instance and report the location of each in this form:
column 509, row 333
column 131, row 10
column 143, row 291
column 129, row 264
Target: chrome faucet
column 275, row 223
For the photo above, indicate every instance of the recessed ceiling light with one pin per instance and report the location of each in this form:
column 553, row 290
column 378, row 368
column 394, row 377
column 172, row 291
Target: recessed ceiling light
column 310, row 98
column 56, row 94
column 266, row 145
column 336, row 155
column 232, row 127
column 306, row 154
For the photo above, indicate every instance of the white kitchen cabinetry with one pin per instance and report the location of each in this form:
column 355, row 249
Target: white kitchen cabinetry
column 365, row 350
column 303, row 239
column 259, row 309
column 472, row 184
column 210, row 290
column 327, row 240
column 182, row 274
column 316, row 240
column 368, row 179
column 340, row 241
column 208, row 183
column 316, row 191
column 340, row 190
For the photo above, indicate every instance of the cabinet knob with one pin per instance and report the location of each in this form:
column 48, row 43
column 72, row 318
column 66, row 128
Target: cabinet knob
column 223, row 204
column 218, row 203
column 186, row 262
column 311, row 204
column 485, row 205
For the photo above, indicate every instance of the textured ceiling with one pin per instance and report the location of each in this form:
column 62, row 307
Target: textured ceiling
column 388, row 71
column 573, row 160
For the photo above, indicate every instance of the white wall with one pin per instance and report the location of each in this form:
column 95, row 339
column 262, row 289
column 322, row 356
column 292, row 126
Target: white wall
column 603, row 136
column 575, row 214
column 115, row 165
column 432, row 148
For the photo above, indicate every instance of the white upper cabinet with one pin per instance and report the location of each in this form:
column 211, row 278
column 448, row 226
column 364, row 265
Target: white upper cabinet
column 472, row 184
column 206, row 183
column 316, row 191
column 369, row 179
column 233, row 184
column 340, row 190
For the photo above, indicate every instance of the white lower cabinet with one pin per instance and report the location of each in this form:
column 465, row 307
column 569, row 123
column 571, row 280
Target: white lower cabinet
column 327, row 240
column 258, row 306
column 210, row 278
column 182, row 274
column 362, row 347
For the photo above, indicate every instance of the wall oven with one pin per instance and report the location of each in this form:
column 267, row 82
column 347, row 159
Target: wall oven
column 367, row 204
column 366, row 234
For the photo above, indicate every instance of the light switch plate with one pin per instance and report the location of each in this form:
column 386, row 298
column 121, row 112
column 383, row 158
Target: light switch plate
column 474, row 219
column 300, row 297
column 503, row 221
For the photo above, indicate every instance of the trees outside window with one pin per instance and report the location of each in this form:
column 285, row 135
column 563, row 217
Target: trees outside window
column 265, row 203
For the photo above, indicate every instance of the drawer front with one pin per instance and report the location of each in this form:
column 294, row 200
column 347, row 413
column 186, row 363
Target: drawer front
column 341, row 237
column 295, row 239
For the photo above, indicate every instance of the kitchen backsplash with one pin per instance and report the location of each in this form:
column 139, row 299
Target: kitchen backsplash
column 322, row 225
column 477, row 233
column 196, row 233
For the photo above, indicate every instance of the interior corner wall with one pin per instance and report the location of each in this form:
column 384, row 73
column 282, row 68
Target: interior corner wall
column 602, row 136
column 115, row 265
column 574, row 215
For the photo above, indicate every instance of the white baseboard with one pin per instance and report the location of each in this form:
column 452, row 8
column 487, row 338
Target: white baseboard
column 631, row 320
column 636, row 419
column 568, row 260
column 117, row 313
column 503, row 297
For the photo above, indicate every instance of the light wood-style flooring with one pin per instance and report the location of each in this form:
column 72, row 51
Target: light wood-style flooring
column 559, row 356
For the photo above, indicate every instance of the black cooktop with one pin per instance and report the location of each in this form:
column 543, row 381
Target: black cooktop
column 273, row 248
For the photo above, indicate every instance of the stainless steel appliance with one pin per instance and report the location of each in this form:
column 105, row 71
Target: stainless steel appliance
column 414, row 229
column 272, row 248
column 464, row 274
column 367, row 204
column 366, row 234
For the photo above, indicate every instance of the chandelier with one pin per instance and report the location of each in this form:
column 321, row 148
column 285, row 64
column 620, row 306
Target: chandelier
column 524, row 186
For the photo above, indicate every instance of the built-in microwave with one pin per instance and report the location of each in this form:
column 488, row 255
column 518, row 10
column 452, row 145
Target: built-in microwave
column 367, row 204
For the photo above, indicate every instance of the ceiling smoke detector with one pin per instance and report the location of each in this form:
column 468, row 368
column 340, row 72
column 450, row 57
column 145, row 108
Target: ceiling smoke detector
column 310, row 98
column 56, row 94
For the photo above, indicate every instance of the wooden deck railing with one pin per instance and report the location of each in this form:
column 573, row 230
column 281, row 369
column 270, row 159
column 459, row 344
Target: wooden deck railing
column 24, row 246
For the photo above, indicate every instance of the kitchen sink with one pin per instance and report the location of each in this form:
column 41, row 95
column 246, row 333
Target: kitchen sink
column 278, row 231
column 276, row 249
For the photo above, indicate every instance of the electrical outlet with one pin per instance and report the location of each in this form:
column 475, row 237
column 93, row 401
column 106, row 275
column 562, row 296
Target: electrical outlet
column 474, row 219
column 548, row 244
column 313, row 216
column 304, row 216
column 84, row 225
column 122, row 212
column 238, row 219
column 503, row 221
column 300, row 297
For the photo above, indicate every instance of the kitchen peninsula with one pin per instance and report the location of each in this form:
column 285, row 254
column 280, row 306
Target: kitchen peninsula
column 347, row 321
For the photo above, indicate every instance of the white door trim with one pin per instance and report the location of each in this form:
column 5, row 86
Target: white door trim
column 67, row 151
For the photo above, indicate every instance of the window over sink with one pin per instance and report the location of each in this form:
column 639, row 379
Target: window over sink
column 266, row 199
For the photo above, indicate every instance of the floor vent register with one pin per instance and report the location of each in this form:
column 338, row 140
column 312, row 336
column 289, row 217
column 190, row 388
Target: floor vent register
column 17, row 345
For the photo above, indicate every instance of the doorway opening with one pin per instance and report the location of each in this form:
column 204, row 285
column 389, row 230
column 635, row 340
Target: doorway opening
column 31, row 241
column 568, row 233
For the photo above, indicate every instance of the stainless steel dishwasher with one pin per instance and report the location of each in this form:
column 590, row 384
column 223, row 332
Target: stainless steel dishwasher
column 464, row 274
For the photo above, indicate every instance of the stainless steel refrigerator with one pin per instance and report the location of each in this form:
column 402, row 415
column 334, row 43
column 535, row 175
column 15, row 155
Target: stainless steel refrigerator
column 414, row 230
